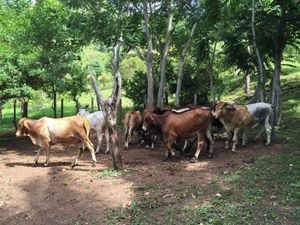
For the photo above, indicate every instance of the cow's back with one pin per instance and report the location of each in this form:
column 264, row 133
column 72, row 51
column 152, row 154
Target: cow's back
column 67, row 129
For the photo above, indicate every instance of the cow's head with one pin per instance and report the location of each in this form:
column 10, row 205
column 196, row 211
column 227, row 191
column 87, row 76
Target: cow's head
column 148, row 121
column 22, row 128
column 222, row 108
column 83, row 110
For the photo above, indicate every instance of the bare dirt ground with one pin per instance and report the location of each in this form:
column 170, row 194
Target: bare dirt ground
column 57, row 195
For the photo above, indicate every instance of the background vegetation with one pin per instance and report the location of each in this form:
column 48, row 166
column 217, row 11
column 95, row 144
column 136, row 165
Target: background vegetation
column 209, row 52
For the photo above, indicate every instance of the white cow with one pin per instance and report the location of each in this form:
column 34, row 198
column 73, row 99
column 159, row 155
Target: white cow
column 260, row 113
column 98, row 123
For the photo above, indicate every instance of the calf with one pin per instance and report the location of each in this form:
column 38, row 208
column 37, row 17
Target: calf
column 182, row 125
column 47, row 131
column 133, row 123
column 234, row 118
column 260, row 114
column 98, row 123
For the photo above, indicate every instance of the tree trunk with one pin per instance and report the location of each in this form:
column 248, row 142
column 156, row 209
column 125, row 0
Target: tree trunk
column 61, row 108
column 211, row 73
column 247, row 85
column 54, row 100
column 262, row 78
column 24, row 107
column 163, row 62
column 1, row 108
column 77, row 103
column 149, row 59
column 181, row 65
column 110, row 107
column 92, row 104
column 15, row 114
column 276, row 89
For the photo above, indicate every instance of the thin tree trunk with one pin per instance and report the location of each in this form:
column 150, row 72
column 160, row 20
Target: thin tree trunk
column 247, row 85
column 211, row 73
column 181, row 65
column 77, row 103
column 1, row 116
column 262, row 80
column 149, row 59
column 163, row 62
column 54, row 100
column 276, row 89
column 110, row 107
column 61, row 108
column 92, row 104
column 15, row 113
column 24, row 107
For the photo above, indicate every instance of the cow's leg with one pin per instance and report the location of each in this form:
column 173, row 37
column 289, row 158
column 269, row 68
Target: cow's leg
column 47, row 155
column 153, row 138
column 36, row 158
column 80, row 151
column 169, row 140
column 210, row 140
column 150, row 141
column 90, row 146
column 235, row 139
column 99, row 137
column 244, row 140
column 229, row 136
column 126, row 136
column 268, row 130
column 201, row 139
column 262, row 130
column 107, row 141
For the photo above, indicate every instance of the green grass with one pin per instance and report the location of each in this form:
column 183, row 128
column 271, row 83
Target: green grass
column 106, row 173
column 266, row 193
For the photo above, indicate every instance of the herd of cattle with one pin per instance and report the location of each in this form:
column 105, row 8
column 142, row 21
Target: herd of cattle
column 172, row 125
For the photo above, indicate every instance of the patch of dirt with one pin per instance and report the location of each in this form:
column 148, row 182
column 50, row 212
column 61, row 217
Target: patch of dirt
column 58, row 195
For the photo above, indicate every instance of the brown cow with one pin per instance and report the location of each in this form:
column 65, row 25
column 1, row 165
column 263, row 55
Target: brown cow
column 48, row 131
column 182, row 125
column 234, row 118
column 133, row 123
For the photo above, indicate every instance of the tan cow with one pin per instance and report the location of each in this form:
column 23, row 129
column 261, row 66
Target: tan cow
column 133, row 123
column 48, row 131
column 234, row 117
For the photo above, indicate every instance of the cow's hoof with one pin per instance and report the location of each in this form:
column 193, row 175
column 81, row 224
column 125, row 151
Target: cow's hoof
column 267, row 144
column 72, row 165
column 93, row 164
column 193, row 160
column 147, row 147
column 233, row 150
column 107, row 152
column 125, row 148
column 209, row 155
column 165, row 159
column 35, row 164
column 46, row 164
